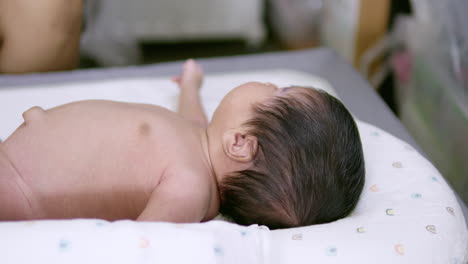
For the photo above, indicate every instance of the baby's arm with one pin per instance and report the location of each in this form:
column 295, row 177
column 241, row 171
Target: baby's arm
column 177, row 199
column 190, row 82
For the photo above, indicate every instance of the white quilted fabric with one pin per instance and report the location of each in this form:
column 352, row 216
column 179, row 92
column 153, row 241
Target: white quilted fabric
column 98, row 241
column 407, row 212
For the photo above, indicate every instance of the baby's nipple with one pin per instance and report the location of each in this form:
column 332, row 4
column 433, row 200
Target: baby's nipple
column 34, row 114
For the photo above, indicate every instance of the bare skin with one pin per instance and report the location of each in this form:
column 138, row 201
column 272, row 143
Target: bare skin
column 112, row 160
column 39, row 35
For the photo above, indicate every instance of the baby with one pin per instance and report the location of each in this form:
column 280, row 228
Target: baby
column 281, row 157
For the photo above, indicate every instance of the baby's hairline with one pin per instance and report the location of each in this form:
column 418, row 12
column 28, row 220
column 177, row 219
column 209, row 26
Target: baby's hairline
column 296, row 93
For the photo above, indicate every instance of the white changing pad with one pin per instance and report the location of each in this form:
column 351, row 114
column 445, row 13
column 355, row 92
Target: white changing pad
column 407, row 212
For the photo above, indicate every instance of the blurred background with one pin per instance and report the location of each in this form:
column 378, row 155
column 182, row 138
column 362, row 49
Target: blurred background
column 413, row 52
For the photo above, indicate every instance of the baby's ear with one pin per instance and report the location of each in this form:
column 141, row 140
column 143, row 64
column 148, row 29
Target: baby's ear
column 239, row 146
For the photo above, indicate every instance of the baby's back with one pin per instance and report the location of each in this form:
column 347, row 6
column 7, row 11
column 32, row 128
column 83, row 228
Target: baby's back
column 98, row 159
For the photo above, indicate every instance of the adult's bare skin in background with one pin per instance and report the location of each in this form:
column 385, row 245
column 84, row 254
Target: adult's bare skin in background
column 39, row 35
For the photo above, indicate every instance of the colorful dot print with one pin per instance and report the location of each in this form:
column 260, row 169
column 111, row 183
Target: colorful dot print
column 431, row 228
column 399, row 249
column 450, row 210
column 29, row 223
column 218, row 250
column 361, row 229
column 331, row 251
column 397, row 165
column 390, row 212
column 64, row 245
column 101, row 223
column 297, row 236
column 408, row 148
column 143, row 243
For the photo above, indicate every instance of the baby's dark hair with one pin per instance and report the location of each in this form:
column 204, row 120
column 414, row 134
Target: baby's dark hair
column 309, row 168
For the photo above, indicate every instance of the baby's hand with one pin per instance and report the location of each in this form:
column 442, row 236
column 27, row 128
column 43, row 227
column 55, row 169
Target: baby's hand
column 191, row 76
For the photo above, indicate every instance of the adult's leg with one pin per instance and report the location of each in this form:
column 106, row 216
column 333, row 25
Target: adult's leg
column 39, row 35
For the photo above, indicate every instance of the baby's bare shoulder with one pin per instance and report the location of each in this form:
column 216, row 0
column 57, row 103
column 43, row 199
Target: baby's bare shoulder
column 181, row 196
column 183, row 179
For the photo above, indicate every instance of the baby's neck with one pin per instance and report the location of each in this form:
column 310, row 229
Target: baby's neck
column 203, row 136
column 214, row 202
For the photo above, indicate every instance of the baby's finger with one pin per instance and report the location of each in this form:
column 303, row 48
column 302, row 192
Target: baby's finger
column 187, row 63
column 175, row 79
column 198, row 66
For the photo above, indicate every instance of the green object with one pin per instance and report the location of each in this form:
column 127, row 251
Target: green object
column 436, row 116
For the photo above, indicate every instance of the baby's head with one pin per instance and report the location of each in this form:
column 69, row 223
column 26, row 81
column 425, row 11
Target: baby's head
column 285, row 157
